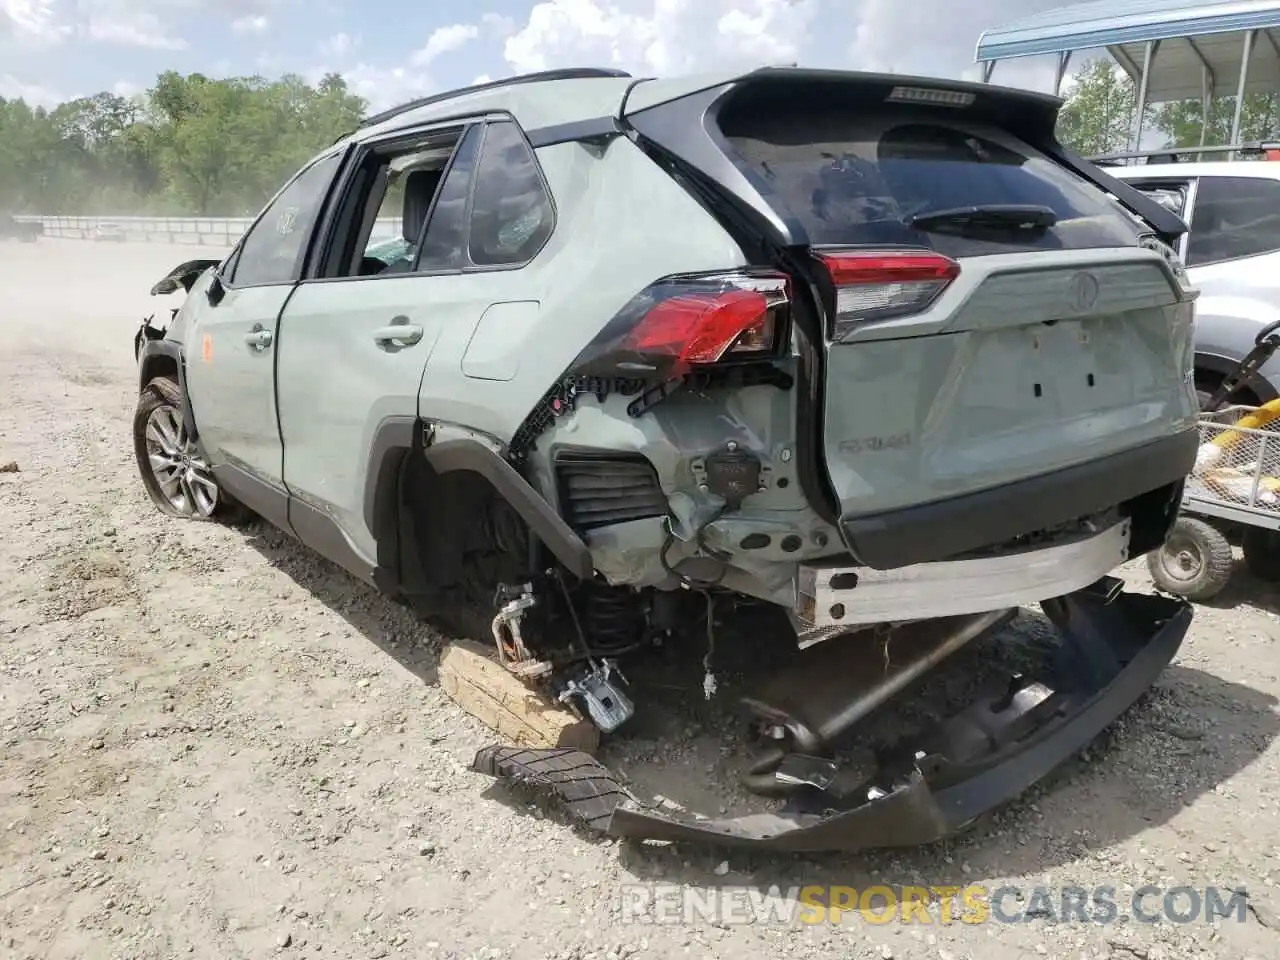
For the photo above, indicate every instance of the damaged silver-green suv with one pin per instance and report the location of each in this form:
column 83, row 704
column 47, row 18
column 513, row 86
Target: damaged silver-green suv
column 877, row 351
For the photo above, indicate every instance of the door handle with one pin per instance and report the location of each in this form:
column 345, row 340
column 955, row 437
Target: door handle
column 405, row 334
column 259, row 337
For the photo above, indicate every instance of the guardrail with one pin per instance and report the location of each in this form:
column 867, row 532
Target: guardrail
column 220, row 232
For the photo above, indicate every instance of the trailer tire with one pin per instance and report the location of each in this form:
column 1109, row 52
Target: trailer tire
column 1195, row 562
column 1262, row 553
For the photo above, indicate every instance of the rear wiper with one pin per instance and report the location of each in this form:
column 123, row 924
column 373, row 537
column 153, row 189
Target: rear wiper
column 1017, row 216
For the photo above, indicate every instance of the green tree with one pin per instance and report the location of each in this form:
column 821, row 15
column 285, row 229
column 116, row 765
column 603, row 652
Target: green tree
column 191, row 144
column 1182, row 120
column 1099, row 112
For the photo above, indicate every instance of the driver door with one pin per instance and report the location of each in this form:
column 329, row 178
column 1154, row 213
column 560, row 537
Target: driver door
column 231, row 344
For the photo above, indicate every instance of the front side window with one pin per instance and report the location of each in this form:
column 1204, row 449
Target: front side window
column 1234, row 217
column 273, row 249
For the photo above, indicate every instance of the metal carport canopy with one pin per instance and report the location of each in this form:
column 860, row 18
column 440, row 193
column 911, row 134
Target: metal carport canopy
column 1193, row 44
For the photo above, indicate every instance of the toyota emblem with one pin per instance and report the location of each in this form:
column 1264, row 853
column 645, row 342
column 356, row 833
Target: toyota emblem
column 1084, row 292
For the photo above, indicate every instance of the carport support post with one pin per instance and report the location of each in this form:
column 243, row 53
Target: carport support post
column 988, row 67
column 1249, row 37
column 1148, row 55
column 1064, row 58
column 1206, row 103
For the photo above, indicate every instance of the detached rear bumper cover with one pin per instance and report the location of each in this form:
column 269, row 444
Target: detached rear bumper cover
column 1139, row 636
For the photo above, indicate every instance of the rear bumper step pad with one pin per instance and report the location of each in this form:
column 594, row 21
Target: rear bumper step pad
column 1113, row 652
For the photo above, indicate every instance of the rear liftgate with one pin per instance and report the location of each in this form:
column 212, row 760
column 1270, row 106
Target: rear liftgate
column 1113, row 645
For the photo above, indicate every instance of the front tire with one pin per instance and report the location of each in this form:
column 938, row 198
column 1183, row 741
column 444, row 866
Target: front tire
column 1195, row 562
column 174, row 471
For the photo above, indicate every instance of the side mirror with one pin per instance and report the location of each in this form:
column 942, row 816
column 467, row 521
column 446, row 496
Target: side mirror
column 216, row 291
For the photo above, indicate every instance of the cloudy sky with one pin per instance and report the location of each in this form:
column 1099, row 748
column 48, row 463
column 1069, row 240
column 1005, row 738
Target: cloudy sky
column 390, row 50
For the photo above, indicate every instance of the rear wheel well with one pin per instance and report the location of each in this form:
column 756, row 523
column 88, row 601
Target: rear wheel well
column 457, row 538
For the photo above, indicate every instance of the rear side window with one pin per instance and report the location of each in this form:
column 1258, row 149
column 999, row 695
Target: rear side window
column 1234, row 217
column 853, row 178
column 511, row 212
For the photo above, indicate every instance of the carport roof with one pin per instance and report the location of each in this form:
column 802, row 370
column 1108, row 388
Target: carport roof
column 1193, row 35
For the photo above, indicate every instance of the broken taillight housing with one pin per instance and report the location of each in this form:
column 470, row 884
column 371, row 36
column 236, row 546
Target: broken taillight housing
column 876, row 285
column 697, row 320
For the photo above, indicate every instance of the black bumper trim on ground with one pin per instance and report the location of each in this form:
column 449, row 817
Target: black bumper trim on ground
column 948, row 528
column 912, row 814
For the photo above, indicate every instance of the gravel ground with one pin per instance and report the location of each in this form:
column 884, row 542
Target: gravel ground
column 217, row 745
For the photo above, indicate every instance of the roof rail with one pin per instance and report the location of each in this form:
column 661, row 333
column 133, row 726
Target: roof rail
column 1172, row 154
column 570, row 73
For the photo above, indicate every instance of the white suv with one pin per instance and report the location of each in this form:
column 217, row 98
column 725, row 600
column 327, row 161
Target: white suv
column 1232, row 253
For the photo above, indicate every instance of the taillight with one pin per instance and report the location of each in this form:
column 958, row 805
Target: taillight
column 692, row 321
column 880, row 284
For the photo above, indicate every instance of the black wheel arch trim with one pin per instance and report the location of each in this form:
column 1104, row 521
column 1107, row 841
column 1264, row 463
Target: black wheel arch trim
column 394, row 439
column 399, row 436
column 171, row 350
column 448, row 456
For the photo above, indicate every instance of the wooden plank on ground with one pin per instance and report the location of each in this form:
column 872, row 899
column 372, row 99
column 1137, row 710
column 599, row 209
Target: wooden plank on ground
column 472, row 677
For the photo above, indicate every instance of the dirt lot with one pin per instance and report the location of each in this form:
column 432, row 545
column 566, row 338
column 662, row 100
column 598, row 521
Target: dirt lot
column 216, row 745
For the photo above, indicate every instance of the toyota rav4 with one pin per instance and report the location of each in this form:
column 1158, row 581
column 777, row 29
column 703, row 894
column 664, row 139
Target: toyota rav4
column 551, row 355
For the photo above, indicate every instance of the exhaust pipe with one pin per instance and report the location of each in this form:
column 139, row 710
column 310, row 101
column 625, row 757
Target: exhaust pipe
column 838, row 683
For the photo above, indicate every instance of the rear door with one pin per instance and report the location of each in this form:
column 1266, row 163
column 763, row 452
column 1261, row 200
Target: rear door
column 231, row 344
column 392, row 334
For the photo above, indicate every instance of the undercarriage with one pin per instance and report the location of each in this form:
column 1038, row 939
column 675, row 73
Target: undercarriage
column 820, row 680
column 1107, row 649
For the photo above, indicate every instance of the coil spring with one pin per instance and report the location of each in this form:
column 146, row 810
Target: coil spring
column 611, row 618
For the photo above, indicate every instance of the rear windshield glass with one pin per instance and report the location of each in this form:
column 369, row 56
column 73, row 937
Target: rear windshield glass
column 855, row 178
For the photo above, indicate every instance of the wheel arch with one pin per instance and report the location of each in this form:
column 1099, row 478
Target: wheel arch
column 450, row 450
column 160, row 358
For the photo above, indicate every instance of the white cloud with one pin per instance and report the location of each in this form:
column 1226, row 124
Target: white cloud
column 11, row 88
column 33, row 21
column 384, row 88
column 498, row 25
column 660, row 36
column 445, row 40
column 123, row 88
column 483, row 78
column 339, row 45
column 253, row 24
column 124, row 23
column 677, row 36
